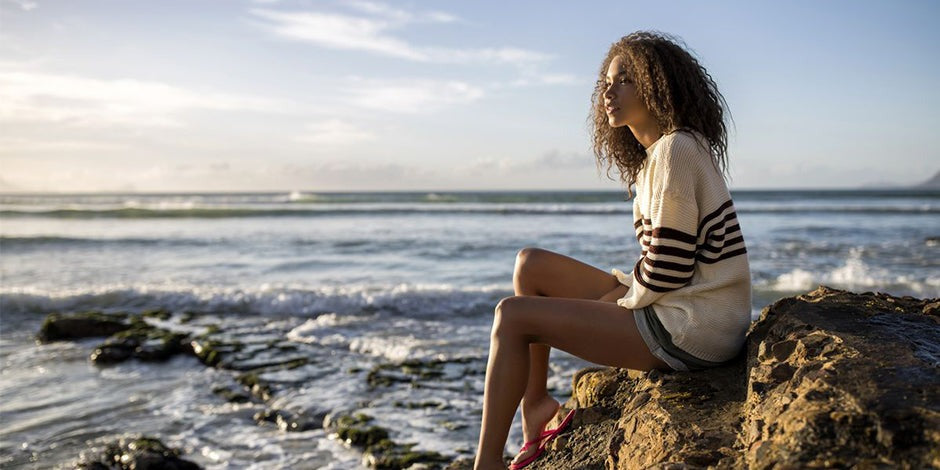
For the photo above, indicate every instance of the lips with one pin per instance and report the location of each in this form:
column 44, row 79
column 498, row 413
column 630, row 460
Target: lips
column 611, row 109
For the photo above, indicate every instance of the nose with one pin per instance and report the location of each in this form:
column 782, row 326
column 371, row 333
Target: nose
column 608, row 92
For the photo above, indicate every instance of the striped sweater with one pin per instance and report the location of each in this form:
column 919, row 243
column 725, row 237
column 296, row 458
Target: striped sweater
column 693, row 269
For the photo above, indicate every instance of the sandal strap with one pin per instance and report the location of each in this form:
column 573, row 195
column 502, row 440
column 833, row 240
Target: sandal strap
column 527, row 445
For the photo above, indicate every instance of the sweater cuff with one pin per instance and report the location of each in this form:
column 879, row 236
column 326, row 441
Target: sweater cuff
column 624, row 278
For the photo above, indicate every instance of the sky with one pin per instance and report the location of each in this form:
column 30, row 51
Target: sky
column 268, row 95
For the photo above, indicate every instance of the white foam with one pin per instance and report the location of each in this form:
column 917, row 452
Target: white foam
column 266, row 299
column 795, row 280
column 855, row 274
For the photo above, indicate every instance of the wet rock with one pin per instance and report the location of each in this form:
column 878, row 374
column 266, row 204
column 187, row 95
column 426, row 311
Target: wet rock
column 58, row 326
column 411, row 405
column 387, row 454
column 256, row 385
column 145, row 343
column 416, row 372
column 141, row 341
column 129, row 336
column 158, row 313
column 462, row 463
column 135, row 453
column 290, row 421
column 379, row 451
column 828, row 379
column 231, row 395
column 209, row 351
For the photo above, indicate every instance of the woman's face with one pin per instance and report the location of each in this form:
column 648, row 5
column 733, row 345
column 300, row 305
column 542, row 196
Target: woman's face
column 623, row 106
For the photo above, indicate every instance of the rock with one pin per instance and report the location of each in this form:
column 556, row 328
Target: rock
column 58, row 326
column 129, row 336
column 231, row 394
column 828, row 379
column 378, row 451
column 141, row 341
column 135, row 453
column 844, row 380
column 414, row 372
column 256, row 385
column 290, row 421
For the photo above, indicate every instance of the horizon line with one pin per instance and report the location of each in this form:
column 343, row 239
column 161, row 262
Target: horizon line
column 335, row 191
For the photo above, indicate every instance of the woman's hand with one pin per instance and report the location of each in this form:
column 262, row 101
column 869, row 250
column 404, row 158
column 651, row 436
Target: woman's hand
column 617, row 293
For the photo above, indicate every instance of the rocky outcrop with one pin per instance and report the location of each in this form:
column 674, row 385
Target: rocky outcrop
column 828, row 379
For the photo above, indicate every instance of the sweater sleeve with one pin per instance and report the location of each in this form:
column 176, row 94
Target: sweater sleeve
column 668, row 234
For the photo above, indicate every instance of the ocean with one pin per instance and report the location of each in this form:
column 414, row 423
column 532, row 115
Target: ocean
column 357, row 280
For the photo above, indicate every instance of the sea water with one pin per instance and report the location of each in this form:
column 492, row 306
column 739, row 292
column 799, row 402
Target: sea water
column 368, row 278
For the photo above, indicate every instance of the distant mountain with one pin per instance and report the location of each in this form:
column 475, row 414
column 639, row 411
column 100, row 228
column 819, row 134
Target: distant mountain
column 932, row 183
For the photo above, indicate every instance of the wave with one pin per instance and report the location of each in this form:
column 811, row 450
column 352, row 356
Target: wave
column 304, row 197
column 411, row 300
column 8, row 242
column 232, row 212
column 440, row 209
column 854, row 274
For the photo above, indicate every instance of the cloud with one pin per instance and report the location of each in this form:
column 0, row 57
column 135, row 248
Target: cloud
column 349, row 174
column 338, row 32
column 398, row 15
column 19, row 145
column 411, row 96
column 548, row 79
column 550, row 161
column 83, row 101
column 334, row 132
column 24, row 5
column 6, row 186
column 372, row 29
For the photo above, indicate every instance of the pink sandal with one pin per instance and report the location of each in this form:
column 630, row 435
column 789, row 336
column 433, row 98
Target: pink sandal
column 541, row 441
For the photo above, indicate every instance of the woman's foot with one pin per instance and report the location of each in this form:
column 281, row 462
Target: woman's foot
column 535, row 417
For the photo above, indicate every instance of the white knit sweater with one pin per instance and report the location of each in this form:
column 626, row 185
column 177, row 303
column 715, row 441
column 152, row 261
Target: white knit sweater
column 693, row 269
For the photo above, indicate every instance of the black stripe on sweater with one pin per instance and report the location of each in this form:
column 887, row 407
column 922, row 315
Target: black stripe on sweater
column 718, row 226
column 717, row 237
column 672, row 251
column 652, row 287
column 657, row 264
column 716, row 213
column 654, row 276
column 724, row 256
column 673, row 234
column 719, row 249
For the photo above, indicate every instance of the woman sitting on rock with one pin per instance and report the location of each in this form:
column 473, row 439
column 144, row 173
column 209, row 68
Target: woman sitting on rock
column 659, row 118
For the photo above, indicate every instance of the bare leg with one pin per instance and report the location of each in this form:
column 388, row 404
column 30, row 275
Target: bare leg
column 544, row 273
column 600, row 332
column 538, row 273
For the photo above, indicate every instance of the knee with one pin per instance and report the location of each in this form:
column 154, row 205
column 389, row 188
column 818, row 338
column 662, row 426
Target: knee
column 504, row 315
column 527, row 258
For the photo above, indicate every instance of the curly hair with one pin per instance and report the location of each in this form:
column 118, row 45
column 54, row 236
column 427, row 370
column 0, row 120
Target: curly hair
column 677, row 90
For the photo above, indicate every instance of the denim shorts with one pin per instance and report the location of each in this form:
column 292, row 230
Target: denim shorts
column 660, row 343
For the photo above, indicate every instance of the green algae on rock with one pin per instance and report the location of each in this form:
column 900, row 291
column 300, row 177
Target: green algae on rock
column 379, row 451
column 60, row 326
column 141, row 341
column 130, row 453
column 413, row 371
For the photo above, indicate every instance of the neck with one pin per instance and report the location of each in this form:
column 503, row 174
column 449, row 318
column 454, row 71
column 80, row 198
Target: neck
column 646, row 133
